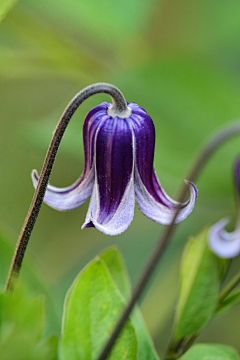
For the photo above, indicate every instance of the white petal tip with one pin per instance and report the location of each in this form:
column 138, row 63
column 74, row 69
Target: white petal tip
column 224, row 244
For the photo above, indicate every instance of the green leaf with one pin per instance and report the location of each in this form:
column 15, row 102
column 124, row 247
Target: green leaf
column 92, row 307
column 5, row 7
column 210, row 352
column 201, row 275
column 115, row 264
column 21, row 328
column 50, row 348
column 19, row 314
column 228, row 303
column 32, row 280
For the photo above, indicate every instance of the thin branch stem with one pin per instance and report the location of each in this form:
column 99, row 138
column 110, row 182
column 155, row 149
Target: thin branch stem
column 207, row 151
column 119, row 107
column 233, row 283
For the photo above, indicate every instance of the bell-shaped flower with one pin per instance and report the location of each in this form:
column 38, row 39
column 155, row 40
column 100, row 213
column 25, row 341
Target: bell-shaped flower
column 118, row 169
column 226, row 244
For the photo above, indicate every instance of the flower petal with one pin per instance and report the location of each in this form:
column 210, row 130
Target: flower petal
column 67, row 198
column 71, row 197
column 224, row 244
column 158, row 210
column 144, row 131
column 112, row 204
column 121, row 219
column 151, row 198
column 91, row 123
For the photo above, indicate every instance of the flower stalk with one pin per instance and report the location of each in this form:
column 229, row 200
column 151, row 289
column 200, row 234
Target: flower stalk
column 119, row 107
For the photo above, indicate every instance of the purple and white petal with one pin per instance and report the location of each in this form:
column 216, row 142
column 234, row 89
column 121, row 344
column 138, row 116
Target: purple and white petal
column 121, row 219
column 91, row 123
column 150, row 196
column 222, row 243
column 68, row 198
column 111, row 207
column 156, row 210
column 71, row 197
column 144, row 131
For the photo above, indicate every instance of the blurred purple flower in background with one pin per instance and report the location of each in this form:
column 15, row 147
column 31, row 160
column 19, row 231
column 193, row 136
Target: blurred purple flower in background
column 222, row 243
column 119, row 154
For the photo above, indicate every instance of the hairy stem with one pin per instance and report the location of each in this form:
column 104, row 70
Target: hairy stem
column 207, row 150
column 119, row 106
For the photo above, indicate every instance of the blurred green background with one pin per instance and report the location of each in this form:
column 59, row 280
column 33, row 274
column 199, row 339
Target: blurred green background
column 180, row 60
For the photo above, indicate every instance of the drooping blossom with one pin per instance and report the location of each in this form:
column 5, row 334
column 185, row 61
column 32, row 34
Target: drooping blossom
column 223, row 243
column 119, row 153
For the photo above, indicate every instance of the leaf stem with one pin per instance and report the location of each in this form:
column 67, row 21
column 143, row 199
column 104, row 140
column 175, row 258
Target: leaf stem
column 119, row 107
column 205, row 153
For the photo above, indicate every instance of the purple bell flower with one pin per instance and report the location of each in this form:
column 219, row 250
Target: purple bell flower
column 119, row 154
column 226, row 244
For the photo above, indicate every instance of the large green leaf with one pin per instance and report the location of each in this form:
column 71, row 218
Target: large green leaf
column 210, row 352
column 92, row 307
column 114, row 262
column 21, row 328
column 201, row 275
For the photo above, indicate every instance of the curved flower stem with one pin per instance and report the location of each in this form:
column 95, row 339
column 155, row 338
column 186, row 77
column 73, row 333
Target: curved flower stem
column 208, row 149
column 119, row 107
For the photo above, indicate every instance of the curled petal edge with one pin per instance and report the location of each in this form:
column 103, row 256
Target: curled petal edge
column 158, row 212
column 67, row 198
column 222, row 243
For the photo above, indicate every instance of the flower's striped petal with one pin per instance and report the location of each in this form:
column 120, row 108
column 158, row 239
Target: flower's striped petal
column 122, row 217
column 144, row 131
column 68, row 198
column 91, row 123
column 112, row 204
column 150, row 196
column 224, row 244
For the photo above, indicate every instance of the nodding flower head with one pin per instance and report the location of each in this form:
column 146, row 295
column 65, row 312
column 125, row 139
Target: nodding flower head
column 222, row 243
column 119, row 152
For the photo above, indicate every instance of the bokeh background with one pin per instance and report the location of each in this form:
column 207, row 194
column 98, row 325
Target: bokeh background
column 180, row 60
